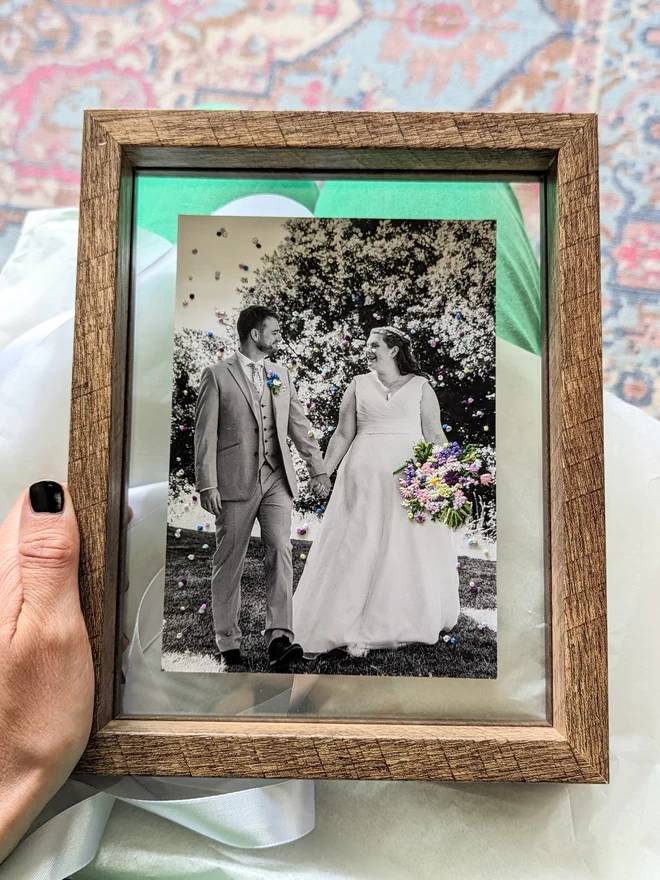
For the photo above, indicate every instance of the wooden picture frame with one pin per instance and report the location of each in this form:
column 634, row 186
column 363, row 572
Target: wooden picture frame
column 561, row 149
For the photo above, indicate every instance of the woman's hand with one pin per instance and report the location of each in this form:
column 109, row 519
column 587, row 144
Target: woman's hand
column 46, row 673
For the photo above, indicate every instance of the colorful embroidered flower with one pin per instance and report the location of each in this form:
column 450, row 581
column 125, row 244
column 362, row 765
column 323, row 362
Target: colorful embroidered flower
column 438, row 483
column 273, row 381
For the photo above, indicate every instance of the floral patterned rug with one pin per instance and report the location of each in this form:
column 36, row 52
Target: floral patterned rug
column 58, row 57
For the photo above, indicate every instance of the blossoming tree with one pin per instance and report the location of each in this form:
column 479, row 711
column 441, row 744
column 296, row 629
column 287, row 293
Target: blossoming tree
column 331, row 281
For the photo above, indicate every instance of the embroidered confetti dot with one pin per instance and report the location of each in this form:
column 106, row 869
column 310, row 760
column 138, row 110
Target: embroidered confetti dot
column 179, row 635
column 193, row 497
column 199, row 528
column 377, row 316
column 446, row 638
column 486, row 428
column 207, row 524
column 486, row 552
column 183, row 428
column 452, row 640
column 191, row 556
column 458, row 565
column 480, row 626
column 202, row 609
column 210, row 334
column 191, row 296
column 185, row 302
column 302, row 530
column 182, row 607
column 186, row 506
column 474, row 588
column 205, row 546
column 217, row 276
column 319, row 511
column 184, row 581
column 303, row 556
column 189, row 277
column 180, row 584
column 310, row 434
column 195, row 251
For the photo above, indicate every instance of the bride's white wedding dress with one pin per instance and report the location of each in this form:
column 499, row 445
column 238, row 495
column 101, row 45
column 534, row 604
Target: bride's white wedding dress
column 373, row 578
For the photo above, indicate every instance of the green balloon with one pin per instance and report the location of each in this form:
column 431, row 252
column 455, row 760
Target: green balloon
column 161, row 199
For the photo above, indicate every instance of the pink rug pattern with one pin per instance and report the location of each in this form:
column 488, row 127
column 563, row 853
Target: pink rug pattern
column 58, row 57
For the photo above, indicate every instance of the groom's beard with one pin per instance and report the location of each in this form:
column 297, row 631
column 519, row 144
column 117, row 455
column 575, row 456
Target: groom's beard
column 267, row 350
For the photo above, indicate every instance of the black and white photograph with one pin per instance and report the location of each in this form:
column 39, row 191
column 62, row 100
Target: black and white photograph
column 332, row 505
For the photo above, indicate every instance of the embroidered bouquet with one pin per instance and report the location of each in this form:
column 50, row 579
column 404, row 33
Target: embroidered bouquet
column 273, row 381
column 437, row 480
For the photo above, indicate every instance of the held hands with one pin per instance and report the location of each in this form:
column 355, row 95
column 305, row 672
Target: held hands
column 210, row 500
column 321, row 485
column 46, row 673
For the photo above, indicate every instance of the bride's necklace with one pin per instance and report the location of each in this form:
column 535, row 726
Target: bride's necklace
column 391, row 386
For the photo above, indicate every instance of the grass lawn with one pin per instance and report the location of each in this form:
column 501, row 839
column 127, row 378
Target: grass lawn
column 474, row 655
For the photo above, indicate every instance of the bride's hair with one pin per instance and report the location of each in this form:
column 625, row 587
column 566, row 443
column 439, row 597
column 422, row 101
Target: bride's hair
column 405, row 360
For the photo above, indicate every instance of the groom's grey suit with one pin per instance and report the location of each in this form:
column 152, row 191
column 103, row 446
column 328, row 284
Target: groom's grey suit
column 241, row 447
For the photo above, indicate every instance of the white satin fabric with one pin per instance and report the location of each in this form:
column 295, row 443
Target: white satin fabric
column 363, row 829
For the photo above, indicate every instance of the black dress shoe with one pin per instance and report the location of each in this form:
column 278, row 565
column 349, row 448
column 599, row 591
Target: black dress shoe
column 282, row 652
column 233, row 657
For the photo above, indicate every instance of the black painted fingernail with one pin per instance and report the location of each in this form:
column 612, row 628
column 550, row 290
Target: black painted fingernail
column 47, row 497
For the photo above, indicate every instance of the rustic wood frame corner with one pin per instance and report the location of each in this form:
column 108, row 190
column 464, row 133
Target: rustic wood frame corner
column 562, row 150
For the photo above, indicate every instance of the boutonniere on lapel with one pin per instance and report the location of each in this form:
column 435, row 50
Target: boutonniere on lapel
column 274, row 382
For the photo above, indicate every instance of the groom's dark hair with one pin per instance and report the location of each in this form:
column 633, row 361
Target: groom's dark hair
column 251, row 319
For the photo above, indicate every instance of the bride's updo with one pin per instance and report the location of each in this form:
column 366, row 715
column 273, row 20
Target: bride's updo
column 404, row 359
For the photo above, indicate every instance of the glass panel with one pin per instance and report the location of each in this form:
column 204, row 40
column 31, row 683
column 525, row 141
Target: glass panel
column 170, row 627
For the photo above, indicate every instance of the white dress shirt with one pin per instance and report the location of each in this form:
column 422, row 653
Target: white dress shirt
column 249, row 366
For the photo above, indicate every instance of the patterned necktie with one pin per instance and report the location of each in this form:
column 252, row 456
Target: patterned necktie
column 258, row 376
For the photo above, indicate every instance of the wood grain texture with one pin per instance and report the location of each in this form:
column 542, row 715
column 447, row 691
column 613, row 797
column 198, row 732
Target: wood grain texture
column 468, row 142
column 98, row 390
column 576, row 464
column 313, row 750
column 116, row 144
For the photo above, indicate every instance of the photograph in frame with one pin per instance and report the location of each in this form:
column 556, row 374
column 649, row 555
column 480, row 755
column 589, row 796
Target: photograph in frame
column 332, row 505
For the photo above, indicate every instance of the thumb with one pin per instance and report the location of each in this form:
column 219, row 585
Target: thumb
column 48, row 547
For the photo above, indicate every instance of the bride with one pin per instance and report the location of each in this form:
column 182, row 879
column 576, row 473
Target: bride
column 373, row 578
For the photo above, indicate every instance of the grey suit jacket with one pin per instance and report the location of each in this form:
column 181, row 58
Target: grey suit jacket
column 227, row 431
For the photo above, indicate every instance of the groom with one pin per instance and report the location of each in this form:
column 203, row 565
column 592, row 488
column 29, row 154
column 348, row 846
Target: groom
column 244, row 471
